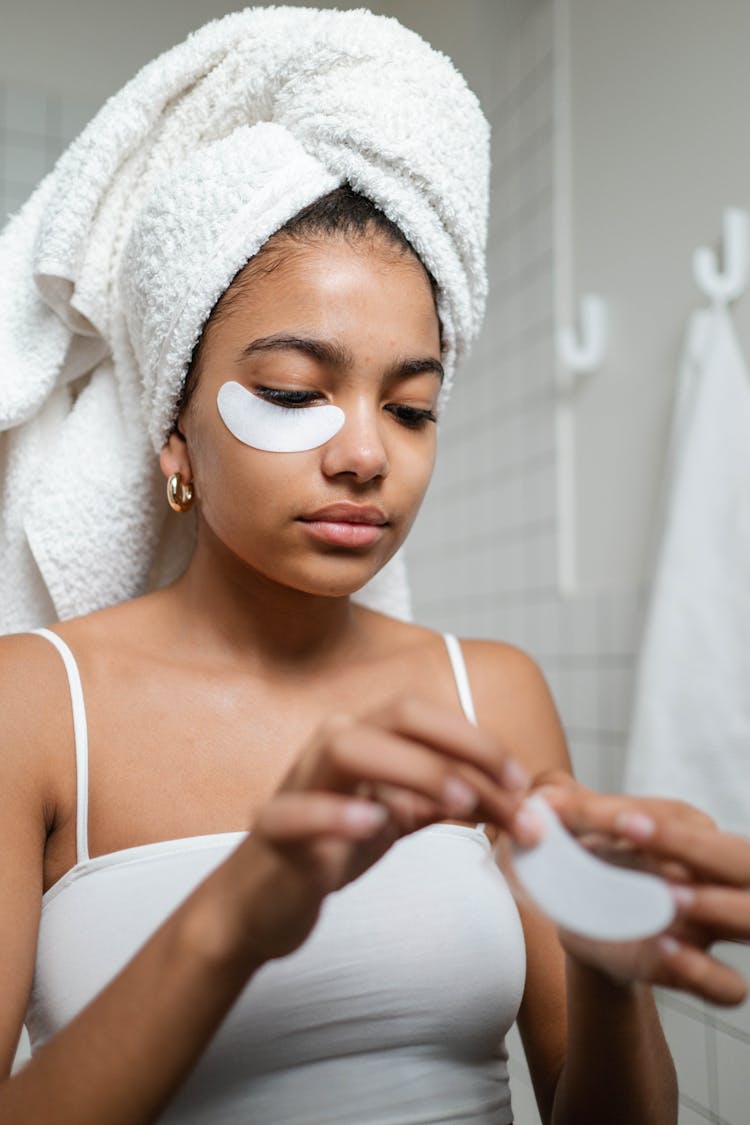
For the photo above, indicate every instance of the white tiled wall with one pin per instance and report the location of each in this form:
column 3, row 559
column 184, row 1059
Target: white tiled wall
column 35, row 125
column 482, row 556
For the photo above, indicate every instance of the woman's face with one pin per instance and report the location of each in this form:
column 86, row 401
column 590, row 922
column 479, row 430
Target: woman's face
column 351, row 324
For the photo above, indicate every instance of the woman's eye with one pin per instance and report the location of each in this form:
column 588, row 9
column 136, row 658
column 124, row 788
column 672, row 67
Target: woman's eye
column 287, row 398
column 412, row 416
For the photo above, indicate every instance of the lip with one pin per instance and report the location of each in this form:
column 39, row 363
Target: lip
column 346, row 525
column 343, row 533
column 347, row 513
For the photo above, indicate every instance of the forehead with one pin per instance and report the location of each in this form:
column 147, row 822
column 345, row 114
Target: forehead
column 334, row 285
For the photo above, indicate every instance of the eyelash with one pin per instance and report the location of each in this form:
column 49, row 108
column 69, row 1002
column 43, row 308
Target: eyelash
column 409, row 416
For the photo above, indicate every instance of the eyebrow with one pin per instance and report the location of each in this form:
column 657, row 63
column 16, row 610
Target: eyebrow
column 335, row 355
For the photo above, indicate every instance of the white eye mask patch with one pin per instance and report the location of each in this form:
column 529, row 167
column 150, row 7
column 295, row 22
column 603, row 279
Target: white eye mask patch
column 276, row 429
column 583, row 893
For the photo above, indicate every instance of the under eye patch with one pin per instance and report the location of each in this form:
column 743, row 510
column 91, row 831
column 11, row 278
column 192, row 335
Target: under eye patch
column 583, row 893
column 276, row 429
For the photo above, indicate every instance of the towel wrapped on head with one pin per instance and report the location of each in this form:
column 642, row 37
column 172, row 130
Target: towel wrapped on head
column 111, row 269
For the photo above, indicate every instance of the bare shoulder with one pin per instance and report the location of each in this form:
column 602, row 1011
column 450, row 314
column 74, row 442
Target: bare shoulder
column 33, row 699
column 36, row 727
column 36, row 735
column 35, row 695
column 31, row 683
column 513, row 701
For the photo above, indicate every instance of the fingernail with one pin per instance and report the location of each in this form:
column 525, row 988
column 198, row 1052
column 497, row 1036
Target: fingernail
column 668, row 945
column 527, row 826
column 459, row 796
column 636, row 825
column 514, row 775
column 683, row 896
column 365, row 815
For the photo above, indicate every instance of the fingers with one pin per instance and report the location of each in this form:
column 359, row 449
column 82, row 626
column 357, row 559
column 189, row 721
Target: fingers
column 291, row 817
column 666, row 830
column 669, row 960
column 452, row 734
column 556, row 778
column 448, row 763
column 724, row 912
column 710, row 854
column 408, row 810
column 586, row 810
column 689, row 969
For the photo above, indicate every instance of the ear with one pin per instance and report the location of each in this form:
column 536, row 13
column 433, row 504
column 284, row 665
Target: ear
column 174, row 458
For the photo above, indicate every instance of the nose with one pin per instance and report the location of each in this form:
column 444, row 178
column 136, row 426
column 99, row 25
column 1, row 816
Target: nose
column 358, row 447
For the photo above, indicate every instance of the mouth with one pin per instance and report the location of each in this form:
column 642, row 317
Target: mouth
column 346, row 525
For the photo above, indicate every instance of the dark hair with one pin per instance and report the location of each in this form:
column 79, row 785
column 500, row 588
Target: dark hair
column 342, row 212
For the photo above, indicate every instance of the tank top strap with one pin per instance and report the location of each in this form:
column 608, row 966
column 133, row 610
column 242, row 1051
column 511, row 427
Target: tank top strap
column 81, row 742
column 458, row 664
column 461, row 676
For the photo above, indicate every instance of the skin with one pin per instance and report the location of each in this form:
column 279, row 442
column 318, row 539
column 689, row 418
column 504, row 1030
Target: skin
column 261, row 624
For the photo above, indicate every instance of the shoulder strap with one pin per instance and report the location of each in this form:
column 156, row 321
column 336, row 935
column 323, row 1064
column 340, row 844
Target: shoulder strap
column 461, row 677
column 81, row 742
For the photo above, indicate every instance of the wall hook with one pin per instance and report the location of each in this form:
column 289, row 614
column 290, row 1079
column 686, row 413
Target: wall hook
column 584, row 354
column 728, row 284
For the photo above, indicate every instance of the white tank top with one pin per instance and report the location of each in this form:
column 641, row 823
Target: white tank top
column 393, row 1011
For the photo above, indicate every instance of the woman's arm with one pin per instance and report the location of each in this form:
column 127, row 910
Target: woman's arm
column 595, row 1049
column 123, row 1057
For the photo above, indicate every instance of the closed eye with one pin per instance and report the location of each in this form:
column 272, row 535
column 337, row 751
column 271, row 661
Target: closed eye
column 287, row 398
column 412, row 417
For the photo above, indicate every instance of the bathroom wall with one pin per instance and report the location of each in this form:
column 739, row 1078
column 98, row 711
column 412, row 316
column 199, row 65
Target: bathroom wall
column 484, row 552
column 658, row 96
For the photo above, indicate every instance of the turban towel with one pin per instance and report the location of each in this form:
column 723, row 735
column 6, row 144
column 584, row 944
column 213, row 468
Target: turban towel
column 110, row 270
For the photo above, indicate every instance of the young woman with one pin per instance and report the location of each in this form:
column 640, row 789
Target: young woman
column 246, row 882
column 253, row 695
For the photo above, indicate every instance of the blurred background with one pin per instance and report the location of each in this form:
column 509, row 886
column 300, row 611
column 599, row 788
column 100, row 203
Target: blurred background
column 618, row 144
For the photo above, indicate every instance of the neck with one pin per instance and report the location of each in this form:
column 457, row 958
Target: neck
column 226, row 610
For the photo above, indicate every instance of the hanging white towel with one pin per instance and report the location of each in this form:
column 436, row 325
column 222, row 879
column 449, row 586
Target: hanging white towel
column 690, row 736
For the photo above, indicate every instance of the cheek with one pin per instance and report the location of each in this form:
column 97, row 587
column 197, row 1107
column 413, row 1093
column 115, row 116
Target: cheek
column 417, row 463
column 234, row 479
column 265, row 480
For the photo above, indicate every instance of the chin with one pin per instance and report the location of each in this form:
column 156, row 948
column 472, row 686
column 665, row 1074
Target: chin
column 333, row 577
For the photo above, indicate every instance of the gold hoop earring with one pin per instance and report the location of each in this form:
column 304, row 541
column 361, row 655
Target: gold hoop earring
column 179, row 495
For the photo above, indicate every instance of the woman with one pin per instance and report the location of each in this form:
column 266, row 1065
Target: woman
column 264, row 931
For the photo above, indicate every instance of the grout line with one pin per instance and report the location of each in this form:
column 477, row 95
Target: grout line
column 525, row 87
column 729, row 1029
column 500, row 229
column 712, row 1066
column 470, row 599
column 498, row 537
column 516, row 470
column 701, row 1110
column 531, row 271
column 520, row 156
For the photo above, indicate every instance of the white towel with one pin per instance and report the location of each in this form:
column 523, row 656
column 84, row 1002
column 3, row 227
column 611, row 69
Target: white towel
column 690, row 736
column 109, row 272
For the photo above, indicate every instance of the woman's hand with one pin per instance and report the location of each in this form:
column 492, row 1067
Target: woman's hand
column 710, row 875
column 320, row 830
